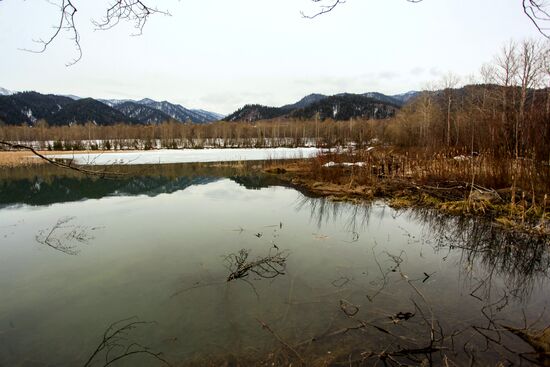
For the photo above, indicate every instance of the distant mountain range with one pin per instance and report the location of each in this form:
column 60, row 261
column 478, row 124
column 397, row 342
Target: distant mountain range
column 29, row 107
column 343, row 106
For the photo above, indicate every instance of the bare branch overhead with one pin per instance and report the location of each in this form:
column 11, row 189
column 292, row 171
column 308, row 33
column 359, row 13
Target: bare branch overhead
column 134, row 11
column 538, row 12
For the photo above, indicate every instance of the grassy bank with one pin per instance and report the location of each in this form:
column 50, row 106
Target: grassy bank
column 513, row 193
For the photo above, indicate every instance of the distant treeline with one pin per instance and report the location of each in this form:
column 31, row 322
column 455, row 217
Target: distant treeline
column 173, row 135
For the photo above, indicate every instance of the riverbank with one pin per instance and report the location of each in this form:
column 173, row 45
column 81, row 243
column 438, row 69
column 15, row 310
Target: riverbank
column 507, row 206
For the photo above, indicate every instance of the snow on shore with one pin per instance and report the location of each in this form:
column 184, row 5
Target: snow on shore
column 188, row 156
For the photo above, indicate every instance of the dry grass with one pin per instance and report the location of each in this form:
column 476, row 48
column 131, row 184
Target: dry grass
column 481, row 185
column 18, row 158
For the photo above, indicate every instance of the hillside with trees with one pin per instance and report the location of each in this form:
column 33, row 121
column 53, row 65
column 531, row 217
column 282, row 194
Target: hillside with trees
column 29, row 107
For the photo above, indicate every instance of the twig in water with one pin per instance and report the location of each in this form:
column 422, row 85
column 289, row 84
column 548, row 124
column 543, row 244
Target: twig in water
column 116, row 344
column 269, row 266
column 63, row 237
column 280, row 340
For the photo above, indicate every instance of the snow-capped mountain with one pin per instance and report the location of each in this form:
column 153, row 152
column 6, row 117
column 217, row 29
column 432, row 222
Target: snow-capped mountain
column 72, row 96
column 177, row 112
column 212, row 116
column 172, row 110
column 115, row 102
column 5, row 92
column 141, row 113
column 29, row 107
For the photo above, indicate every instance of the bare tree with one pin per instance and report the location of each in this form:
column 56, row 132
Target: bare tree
column 530, row 67
column 546, row 76
column 506, row 67
column 448, row 83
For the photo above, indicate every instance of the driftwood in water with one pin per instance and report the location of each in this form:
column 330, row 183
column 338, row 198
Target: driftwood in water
column 270, row 266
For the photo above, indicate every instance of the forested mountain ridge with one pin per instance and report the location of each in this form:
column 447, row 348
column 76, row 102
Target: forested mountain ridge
column 342, row 106
column 29, row 107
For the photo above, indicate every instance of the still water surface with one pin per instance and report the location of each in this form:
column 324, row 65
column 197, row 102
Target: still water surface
column 77, row 254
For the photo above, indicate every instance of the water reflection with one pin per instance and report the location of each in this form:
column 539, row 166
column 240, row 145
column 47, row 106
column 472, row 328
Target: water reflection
column 60, row 187
column 489, row 251
column 501, row 269
column 45, row 185
column 365, row 282
column 521, row 259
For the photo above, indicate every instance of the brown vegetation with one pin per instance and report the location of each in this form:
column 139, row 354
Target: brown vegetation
column 174, row 135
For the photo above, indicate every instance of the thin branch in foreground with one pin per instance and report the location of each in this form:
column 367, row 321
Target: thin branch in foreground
column 67, row 23
column 324, row 8
column 135, row 11
column 537, row 11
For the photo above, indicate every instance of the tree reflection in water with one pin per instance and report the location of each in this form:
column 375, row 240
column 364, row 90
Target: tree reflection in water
column 501, row 269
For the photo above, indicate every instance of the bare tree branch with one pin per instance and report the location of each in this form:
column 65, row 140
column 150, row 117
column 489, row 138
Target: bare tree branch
column 130, row 10
column 324, row 8
column 66, row 22
column 99, row 173
column 538, row 11
column 135, row 11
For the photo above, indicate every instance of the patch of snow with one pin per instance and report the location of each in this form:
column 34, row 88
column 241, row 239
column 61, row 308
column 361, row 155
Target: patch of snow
column 29, row 114
column 5, row 92
column 345, row 164
column 460, row 158
column 190, row 156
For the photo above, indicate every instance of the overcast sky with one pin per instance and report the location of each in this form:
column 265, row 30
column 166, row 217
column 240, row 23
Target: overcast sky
column 221, row 54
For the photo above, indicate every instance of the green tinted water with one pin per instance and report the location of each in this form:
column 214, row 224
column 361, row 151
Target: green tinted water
column 155, row 247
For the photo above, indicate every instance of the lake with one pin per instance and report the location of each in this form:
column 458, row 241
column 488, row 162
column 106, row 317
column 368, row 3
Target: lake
column 308, row 278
